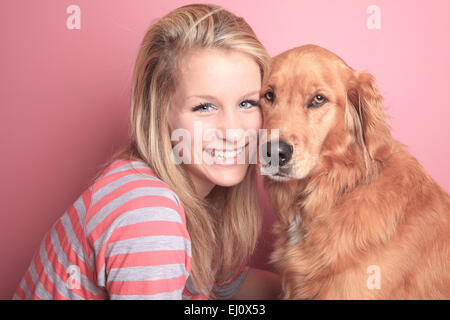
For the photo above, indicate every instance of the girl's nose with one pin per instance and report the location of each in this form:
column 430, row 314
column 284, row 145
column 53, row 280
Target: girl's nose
column 230, row 127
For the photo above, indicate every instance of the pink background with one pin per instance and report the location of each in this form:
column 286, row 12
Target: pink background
column 65, row 93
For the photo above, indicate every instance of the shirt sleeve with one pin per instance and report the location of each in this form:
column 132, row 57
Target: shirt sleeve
column 148, row 255
column 229, row 289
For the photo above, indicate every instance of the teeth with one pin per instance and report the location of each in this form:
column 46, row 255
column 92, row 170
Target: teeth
column 218, row 154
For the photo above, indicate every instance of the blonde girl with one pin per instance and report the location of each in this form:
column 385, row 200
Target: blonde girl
column 151, row 227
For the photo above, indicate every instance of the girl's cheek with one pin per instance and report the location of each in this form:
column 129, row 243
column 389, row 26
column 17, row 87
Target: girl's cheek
column 256, row 122
column 208, row 131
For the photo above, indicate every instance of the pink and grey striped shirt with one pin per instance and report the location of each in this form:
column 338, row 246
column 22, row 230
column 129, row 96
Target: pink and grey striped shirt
column 125, row 237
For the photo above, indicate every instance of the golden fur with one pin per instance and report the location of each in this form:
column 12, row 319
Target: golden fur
column 355, row 197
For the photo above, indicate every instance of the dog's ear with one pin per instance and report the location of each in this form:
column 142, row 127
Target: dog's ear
column 365, row 116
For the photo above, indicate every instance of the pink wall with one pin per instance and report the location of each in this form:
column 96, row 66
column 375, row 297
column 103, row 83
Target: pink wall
column 65, row 93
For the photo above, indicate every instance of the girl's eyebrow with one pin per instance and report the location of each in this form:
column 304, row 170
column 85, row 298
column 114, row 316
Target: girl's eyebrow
column 203, row 96
column 250, row 94
column 209, row 97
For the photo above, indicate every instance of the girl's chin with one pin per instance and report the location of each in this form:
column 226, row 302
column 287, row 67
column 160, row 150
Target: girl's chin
column 228, row 177
column 229, row 182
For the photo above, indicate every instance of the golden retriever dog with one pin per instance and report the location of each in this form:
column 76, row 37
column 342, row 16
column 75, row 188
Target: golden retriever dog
column 358, row 216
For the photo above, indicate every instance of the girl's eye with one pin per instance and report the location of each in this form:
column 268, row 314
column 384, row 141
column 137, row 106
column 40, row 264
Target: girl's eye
column 204, row 107
column 247, row 104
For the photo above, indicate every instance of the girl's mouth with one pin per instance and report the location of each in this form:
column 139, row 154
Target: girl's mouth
column 224, row 156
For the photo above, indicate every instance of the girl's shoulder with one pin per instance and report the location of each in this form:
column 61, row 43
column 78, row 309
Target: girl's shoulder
column 132, row 184
column 137, row 229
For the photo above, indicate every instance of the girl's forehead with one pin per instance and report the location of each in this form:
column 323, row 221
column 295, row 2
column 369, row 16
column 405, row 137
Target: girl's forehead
column 217, row 68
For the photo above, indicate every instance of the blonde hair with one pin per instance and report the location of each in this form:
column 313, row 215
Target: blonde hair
column 223, row 227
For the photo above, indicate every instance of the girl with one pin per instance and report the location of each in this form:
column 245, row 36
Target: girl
column 152, row 227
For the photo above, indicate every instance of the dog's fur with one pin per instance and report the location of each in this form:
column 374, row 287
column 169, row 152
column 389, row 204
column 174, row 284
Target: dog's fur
column 351, row 197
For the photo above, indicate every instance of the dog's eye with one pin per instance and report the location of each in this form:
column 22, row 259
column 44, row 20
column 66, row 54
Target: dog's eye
column 269, row 95
column 317, row 101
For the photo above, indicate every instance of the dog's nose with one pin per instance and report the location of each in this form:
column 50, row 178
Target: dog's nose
column 285, row 151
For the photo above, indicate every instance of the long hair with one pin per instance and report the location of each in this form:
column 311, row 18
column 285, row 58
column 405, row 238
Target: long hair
column 224, row 226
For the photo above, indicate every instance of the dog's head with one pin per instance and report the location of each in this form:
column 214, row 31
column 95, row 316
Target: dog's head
column 325, row 111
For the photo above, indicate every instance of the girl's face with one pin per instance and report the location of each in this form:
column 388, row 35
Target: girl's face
column 215, row 106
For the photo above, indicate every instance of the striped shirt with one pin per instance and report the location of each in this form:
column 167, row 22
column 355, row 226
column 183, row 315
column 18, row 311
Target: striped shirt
column 125, row 237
